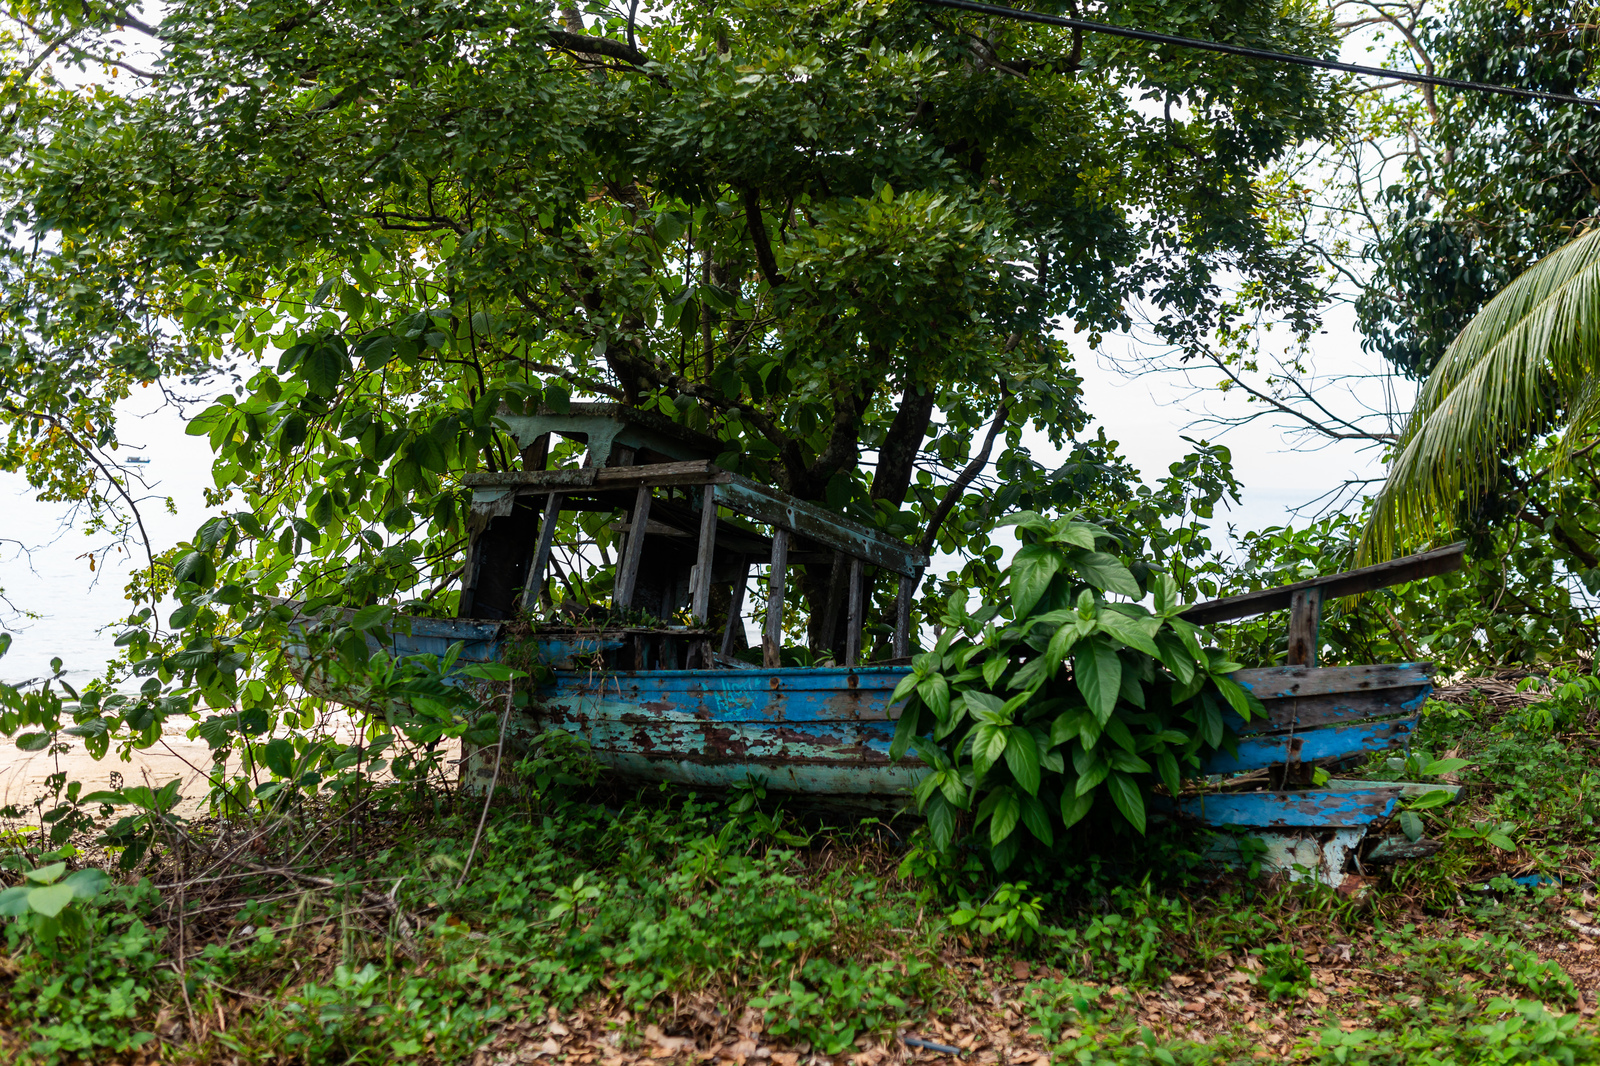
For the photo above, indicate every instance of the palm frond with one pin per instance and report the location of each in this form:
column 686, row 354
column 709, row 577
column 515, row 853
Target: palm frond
column 1527, row 360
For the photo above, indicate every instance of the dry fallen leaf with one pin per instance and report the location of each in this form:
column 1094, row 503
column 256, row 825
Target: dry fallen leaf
column 654, row 1034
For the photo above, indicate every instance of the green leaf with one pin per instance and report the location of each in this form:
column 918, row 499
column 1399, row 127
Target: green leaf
column 1091, row 771
column 87, row 884
column 50, row 900
column 1240, row 699
column 1175, row 657
column 935, row 692
column 1078, row 534
column 1031, row 571
column 1037, row 818
column 33, row 741
column 1167, row 768
column 1129, row 800
column 1061, row 643
column 278, row 754
column 371, row 616
column 1135, row 633
column 1428, row 800
column 1004, row 814
column 1106, row 573
column 941, row 822
column 1411, row 825
column 14, row 902
column 45, row 875
column 993, row 667
column 1500, row 840
column 1022, row 758
column 905, row 731
column 988, row 744
column 1098, row 673
column 322, row 368
column 1445, row 766
column 1066, row 726
column 1074, row 806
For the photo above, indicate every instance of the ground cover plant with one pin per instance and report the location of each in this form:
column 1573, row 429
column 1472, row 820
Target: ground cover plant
column 592, row 926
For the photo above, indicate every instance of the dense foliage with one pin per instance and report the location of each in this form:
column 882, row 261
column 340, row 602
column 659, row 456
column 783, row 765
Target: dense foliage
column 1050, row 695
column 1496, row 184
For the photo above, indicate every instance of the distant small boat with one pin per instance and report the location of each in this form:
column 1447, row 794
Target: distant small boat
column 136, row 460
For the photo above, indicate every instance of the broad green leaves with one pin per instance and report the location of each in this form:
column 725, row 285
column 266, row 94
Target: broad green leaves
column 1072, row 698
column 1031, row 572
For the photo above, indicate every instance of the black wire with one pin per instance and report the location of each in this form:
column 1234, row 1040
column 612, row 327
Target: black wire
column 1255, row 53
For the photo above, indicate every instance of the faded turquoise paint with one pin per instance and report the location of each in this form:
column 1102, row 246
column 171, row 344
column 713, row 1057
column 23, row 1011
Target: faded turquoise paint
column 1329, row 742
column 826, row 731
column 1311, row 809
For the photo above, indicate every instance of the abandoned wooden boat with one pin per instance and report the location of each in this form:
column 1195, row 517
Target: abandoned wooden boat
column 659, row 682
column 661, row 687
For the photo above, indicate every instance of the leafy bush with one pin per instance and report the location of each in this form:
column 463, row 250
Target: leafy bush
column 1020, row 741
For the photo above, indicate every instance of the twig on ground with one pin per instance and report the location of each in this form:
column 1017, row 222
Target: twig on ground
column 494, row 779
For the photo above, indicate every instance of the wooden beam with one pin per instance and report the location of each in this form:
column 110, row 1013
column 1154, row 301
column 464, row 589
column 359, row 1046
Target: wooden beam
column 736, row 606
column 695, row 472
column 628, row 568
column 1305, row 618
column 852, row 616
column 1347, row 583
column 764, row 504
column 902, row 617
column 772, row 639
column 533, row 587
column 700, row 601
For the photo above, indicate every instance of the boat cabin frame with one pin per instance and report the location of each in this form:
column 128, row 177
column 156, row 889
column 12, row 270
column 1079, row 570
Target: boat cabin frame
column 689, row 525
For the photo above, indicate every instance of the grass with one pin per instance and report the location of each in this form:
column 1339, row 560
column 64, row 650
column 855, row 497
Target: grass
column 599, row 928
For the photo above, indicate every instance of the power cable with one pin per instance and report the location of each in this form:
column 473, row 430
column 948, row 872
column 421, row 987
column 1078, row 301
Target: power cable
column 1255, row 53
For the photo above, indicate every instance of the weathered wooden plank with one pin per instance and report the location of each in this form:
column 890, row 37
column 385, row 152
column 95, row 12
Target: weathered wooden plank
column 842, row 743
column 568, row 478
column 1296, row 713
column 1316, row 745
column 1399, row 849
column 772, row 638
column 1409, row 789
column 692, row 472
column 1305, row 619
column 1283, row 682
column 735, row 607
column 771, row 697
column 902, row 617
column 1313, row 808
column 540, row 560
column 852, row 616
column 628, row 568
column 700, row 606
column 1347, row 583
column 812, row 522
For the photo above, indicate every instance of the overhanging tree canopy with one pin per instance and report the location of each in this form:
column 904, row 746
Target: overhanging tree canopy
column 803, row 228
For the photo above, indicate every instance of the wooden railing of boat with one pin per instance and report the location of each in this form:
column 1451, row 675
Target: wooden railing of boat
column 635, row 489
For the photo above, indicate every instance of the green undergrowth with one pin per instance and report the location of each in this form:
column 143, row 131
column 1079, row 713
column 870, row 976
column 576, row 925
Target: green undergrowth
column 833, row 933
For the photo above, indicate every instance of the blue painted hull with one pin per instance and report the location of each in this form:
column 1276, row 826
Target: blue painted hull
column 826, row 731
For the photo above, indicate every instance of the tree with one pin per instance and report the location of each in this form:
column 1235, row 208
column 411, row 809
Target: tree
column 1526, row 365
column 1497, row 184
column 821, row 232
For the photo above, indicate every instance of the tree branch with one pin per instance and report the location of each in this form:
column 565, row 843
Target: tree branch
column 968, row 473
column 760, row 240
